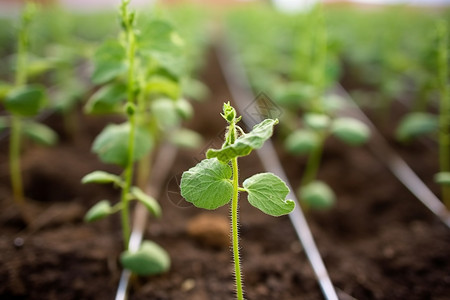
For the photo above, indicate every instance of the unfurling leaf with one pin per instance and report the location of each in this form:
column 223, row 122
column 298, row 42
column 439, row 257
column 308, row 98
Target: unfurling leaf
column 302, row 141
column 415, row 125
column 245, row 143
column 98, row 211
column 150, row 259
column 350, row 130
column 102, row 177
column 207, row 185
column 111, row 145
column 26, row 101
column 149, row 202
column 268, row 192
column 317, row 195
column 40, row 133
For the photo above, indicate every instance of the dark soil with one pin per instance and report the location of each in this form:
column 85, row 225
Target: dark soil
column 378, row 242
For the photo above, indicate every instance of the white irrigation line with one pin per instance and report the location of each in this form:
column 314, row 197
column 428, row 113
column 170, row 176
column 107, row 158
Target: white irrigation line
column 243, row 97
column 396, row 164
column 163, row 163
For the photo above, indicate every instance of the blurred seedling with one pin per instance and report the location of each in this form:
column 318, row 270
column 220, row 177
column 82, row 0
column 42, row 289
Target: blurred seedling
column 24, row 102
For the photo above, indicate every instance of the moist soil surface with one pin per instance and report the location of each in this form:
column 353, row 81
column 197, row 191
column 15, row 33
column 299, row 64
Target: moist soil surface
column 378, row 242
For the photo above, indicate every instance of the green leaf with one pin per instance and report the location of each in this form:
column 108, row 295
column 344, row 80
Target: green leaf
column 40, row 133
column 295, row 95
column 160, row 36
column 102, row 177
column 26, row 101
column 207, row 185
column 194, row 89
column 150, row 259
column 415, row 125
column 185, row 138
column 442, row 178
column 317, row 121
column 109, row 62
column 98, row 211
column 268, row 192
column 302, row 141
column 317, row 195
column 165, row 112
column 163, row 86
column 246, row 143
column 111, row 145
column 107, row 99
column 150, row 203
column 184, row 108
column 351, row 131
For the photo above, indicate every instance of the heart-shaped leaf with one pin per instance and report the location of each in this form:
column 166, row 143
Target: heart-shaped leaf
column 207, row 185
column 246, row 143
column 268, row 192
column 150, row 259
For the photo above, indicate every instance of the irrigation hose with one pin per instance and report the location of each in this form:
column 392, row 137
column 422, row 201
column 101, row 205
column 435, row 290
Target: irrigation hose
column 163, row 163
column 381, row 149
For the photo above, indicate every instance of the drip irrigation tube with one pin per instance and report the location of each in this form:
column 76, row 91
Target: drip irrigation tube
column 243, row 97
column 163, row 163
column 381, row 149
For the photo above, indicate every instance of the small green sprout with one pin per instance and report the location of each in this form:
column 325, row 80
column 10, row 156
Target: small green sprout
column 417, row 124
column 24, row 101
column 214, row 181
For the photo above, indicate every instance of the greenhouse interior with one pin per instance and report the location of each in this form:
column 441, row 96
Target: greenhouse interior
column 226, row 149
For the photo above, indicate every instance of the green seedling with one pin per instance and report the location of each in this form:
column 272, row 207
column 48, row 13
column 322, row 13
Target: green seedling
column 307, row 93
column 443, row 177
column 24, row 101
column 135, row 71
column 140, row 75
column 417, row 124
column 214, row 181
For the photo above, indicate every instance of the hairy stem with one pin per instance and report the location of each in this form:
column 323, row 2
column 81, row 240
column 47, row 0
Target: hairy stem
column 234, row 225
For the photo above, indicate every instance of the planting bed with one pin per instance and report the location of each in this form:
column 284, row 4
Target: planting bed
column 378, row 242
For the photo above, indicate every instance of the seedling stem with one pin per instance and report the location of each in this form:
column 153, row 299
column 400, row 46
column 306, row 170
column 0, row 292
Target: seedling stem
column 444, row 117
